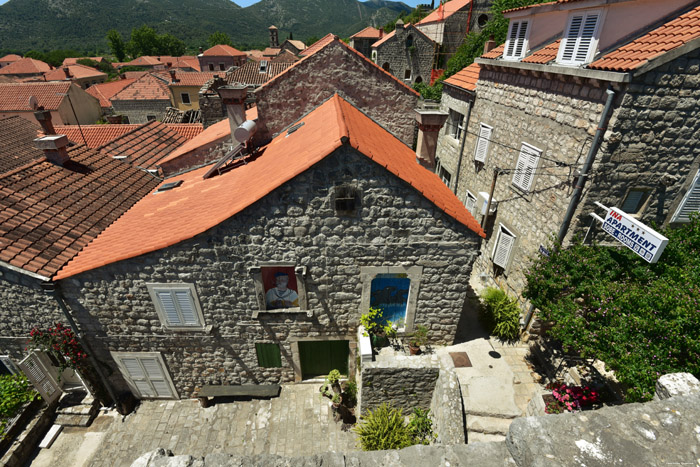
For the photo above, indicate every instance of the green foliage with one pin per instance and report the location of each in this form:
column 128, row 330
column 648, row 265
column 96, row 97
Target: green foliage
column 219, row 38
column 418, row 337
column 421, row 426
column 116, row 44
column 54, row 58
column 333, row 377
column 14, row 393
column 412, row 17
column 311, row 40
column 371, row 321
column 501, row 314
column 641, row 319
column 145, row 41
column 351, row 392
column 383, row 428
column 104, row 67
column 429, row 92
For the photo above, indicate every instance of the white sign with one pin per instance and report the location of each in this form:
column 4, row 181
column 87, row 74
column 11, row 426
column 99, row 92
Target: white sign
column 646, row 242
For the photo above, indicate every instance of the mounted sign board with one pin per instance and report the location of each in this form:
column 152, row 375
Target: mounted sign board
column 643, row 240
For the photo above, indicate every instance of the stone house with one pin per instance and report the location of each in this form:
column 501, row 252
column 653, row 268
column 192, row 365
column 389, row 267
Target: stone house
column 105, row 91
column 8, row 59
column 144, row 100
column 572, row 97
column 25, row 68
column 362, row 40
column 293, row 46
column 56, row 97
column 220, row 58
column 185, row 87
column 406, row 53
column 81, row 75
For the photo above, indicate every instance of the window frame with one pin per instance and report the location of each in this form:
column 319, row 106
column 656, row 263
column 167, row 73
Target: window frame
column 182, row 98
column 680, row 215
column 522, row 168
column 414, row 273
column 576, row 50
column 642, row 203
column 455, row 131
column 299, row 275
column 509, row 53
column 483, row 142
column 470, row 197
column 509, row 256
column 155, row 288
column 257, row 354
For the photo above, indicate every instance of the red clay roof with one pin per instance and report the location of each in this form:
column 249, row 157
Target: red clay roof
column 186, row 130
column 285, row 57
column 148, row 87
column 222, row 50
column 671, row 35
column 15, row 96
column 367, row 33
column 385, row 38
column 538, row 5
column 100, row 135
column 544, row 55
column 495, row 52
column 10, row 58
column 134, row 74
column 144, row 61
column 190, row 78
column 48, row 213
column 465, row 78
column 17, row 146
column 156, row 221
column 256, row 55
column 74, row 60
column 76, row 72
column 249, row 73
column 448, row 9
column 105, row 91
column 318, row 45
column 25, row 66
column 271, row 51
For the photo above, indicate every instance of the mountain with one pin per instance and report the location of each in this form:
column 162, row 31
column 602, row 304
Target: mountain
column 83, row 24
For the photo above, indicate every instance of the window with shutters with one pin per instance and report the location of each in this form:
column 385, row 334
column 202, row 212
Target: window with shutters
column 41, row 373
column 146, row 374
column 503, row 247
column 442, row 172
column 516, row 41
column 455, row 122
column 7, row 366
column 635, row 201
column 269, row 355
column 524, row 171
column 470, row 203
column 580, row 38
column 482, row 144
column 177, row 306
column 690, row 203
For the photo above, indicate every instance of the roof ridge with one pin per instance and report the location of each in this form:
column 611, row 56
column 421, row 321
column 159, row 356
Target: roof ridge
column 139, row 127
column 344, row 133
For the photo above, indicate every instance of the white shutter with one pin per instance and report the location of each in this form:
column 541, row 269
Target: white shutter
column 169, row 309
column 177, row 305
column 525, row 167
column 631, row 204
column 470, row 202
column 156, row 375
column 571, row 36
column 579, row 38
column 522, row 31
column 9, row 364
column 40, row 376
column 503, row 247
column 482, row 146
column 690, row 203
column 138, row 377
column 515, row 44
column 146, row 374
column 587, row 34
column 186, row 306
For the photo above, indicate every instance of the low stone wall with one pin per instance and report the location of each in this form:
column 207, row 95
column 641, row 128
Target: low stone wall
column 35, row 429
column 446, row 409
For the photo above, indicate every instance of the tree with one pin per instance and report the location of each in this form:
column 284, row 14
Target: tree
column 642, row 320
column 116, row 44
column 219, row 38
column 311, row 40
column 143, row 41
column 170, row 45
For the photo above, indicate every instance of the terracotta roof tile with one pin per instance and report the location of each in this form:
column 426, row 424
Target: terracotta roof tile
column 15, row 96
column 156, row 221
column 298, row 44
column 148, row 87
column 249, row 73
column 74, row 60
column 319, row 44
column 25, row 66
column 367, row 33
column 495, row 52
column 447, row 10
column 669, row 36
column 385, row 38
column 271, row 51
column 190, row 78
column 100, row 135
column 544, row 55
column 256, row 55
column 146, row 145
column 144, row 61
column 538, row 5
column 76, row 71
column 17, row 146
column 134, row 74
column 465, row 78
column 186, row 130
column 285, row 57
column 104, row 91
column 10, row 58
column 222, row 50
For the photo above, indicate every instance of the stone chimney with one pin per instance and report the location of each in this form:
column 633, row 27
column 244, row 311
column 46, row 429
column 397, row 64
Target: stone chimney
column 233, row 97
column 54, row 147
column 429, row 123
column 44, row 118
column 489, row 45
column 399, row 23
column 173, row 79
column 66, row 70
column 274, row 39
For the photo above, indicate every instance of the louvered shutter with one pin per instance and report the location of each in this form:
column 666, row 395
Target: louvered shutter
column 40, row 376
column 516, row 39
column 138, row 377
column 156, row 376
column 471, row 203
column 522, row 31
column 525, row 167
column 579, row 38
column 177, row 305
column 587, row 34
column 571, row 37
column 482, row 146
column 504, row 245
column 631, row 204
column 186, row 305
column 147, row 376
column 169, row 308
column 690, row 203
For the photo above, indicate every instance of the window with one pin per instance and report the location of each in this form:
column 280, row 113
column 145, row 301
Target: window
column 269, row 355
column 503, row 247
column 263, row 66
column 211, row 67
column 280, row 288
column 482, row 145
column 177, row 305
column 185, row 96
column 407, row 74
column 419, row 80
column 222, row 67
column 580, row 40
column 389, row 292
column 516, row 41
column 442, row 172
column 482, row 20
column 374, row 56
column 455, row 124
column 386, row 67
column 525, row 167
column 345, row 200
column 146, row 374
column 635, row 201
column 150, row 118
column 7, row 366
column 470, row 203
column 690, row 203
column 409, row 41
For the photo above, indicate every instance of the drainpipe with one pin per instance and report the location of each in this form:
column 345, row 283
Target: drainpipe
column 461, row 147
column 576, row 196
column 55, row 291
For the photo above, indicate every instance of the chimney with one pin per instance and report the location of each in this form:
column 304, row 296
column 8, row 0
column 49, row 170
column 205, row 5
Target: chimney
column 429, row 123
column 233, row 97
column 381, row 32
column 173, row 79
column 169, row 64
column 44, row 118
column 489, row 45
column 66, row 70
column 399, row 24
column 54, row 147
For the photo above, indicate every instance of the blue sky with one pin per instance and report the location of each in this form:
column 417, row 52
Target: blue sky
column 412, row 3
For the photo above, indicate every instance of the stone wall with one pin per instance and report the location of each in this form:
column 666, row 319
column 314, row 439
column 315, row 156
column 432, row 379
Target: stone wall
column 395, row 226
column 416, row 62
column 447, row 410
column 335, row 69
column 138, row 111
column 448, row 147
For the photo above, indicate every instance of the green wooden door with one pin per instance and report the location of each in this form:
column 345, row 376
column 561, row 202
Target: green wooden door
column 318, row 358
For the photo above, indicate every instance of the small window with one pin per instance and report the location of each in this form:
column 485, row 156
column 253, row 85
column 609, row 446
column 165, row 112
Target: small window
column 177, row 305
column 222, row 67
column 269, row 355
column 409, row 40
column 263, row 66
column 525, row 167
column 185, row 96
column 690, row 203
column 482, row 20
column 580, row 39
column 455, row 124
column 635, row 201
column 470, row 203
column 7, row 366
column 345, row 200
column 386, row 67
column 516, row 41
column 407, row 74
column 374, row 56
column 211, row 67
column 419, row 80
column 482, row 145
column 503, row 247
column 442, row 172
column 150, row 118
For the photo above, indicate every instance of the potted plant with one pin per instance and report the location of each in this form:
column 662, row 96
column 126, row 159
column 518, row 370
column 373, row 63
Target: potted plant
column 376, row 331
column 416, row 339
column 333, row 379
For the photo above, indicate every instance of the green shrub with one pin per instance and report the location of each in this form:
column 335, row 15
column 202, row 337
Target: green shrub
column 14, row 393
column 383, row 428
column 501, row 314
column 421, row 426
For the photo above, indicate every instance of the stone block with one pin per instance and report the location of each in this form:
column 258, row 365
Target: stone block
column 676, row 384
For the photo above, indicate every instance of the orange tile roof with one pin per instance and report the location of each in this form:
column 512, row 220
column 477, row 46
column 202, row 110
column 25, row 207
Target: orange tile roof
column 105, row 91
column 144, row 61
column 465, row 78
column 25, row 66
column 544, row 55
column 223, row 50
column 495, row 52
column 367, row 33
column 249, row 73
column 187, row 130
column 188, row 62
column 271, row 51
column 299, row 45
column 385, row 38
column 48, row 213
column 527, row 7
column 256, row 55
column 134, row 74
column 17, row 146
column 100, row 135
column 448, row 9
column 319, row 44
column 76, row 72
column 669, row 36
column 144, row 146
column 10, row 58
column 190, row 78
column 15, row 96
column 148, row 87
column 74, row 60
column 285, row 57
column 156, row 222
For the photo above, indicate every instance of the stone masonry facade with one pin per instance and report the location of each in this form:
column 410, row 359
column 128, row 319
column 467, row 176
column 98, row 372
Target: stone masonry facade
column 408, row 54
column 139, row 111
column 395, row 226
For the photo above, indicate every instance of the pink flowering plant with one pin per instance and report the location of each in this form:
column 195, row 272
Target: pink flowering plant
column 571, row 398
column 60, row 342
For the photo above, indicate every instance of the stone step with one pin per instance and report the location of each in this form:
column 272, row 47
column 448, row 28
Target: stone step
column 474, row 412
column 483, row 438
column 74, row 420
column 75, row 409
column 488, row 425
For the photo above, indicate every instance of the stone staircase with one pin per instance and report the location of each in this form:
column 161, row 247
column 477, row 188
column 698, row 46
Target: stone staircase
column 484, row 428
column 76, row 408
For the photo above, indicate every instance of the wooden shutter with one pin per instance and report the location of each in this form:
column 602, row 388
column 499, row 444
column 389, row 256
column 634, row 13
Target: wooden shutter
column 579, row 37
column 482, row 146
column 516, row 39
column 520, row 44
column 504, row 245
column 147, row 376
column 633, row 201
column 525, row 167
column 269, row 355
column 590, row 23
column 690, row 203
column 185, row 304
column 40, row 376
column 177, row 305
